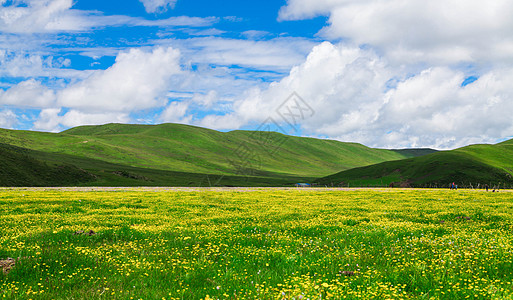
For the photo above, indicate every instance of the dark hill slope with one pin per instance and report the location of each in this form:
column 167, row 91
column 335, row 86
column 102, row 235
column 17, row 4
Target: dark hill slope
column 25, row 167
column 22, row 167
column 415, row 152
column 468, row 166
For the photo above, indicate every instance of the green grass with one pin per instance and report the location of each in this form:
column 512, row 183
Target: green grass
column 20, row 166
column 173, row 154
column 260, row 244
column 24, row 167
column 409, row 153
column 468, row 167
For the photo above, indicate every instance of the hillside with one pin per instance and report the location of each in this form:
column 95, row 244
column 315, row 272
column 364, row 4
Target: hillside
column 118, row 154
column 470, row 166
column 19, row 166
column 409, row 153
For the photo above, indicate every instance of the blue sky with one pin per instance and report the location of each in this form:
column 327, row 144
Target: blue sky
column 385, row 74
column 191, row 26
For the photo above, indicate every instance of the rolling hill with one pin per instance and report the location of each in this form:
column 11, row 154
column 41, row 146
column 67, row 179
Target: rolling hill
column 409, row 153
column 20, row 166
column 470, row 166
column 174, row 154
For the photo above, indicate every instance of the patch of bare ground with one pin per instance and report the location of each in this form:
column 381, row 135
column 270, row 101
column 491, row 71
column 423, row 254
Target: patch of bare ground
column 7, row 265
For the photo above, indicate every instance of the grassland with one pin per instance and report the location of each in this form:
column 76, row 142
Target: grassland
column 180, row 155
column 19, row 166
column 256, row 244
column 470, row 166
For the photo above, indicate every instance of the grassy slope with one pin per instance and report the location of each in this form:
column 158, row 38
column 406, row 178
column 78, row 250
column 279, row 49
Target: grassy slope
column 471, row 165
column 409, row 153
column 172, row 154
column 25, row 167
column 19, row 166
column 193, row 149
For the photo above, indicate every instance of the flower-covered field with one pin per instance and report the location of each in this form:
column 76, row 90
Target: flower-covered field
column 256, row 244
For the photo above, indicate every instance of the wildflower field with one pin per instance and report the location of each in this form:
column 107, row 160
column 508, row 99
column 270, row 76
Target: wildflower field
column 256, row 244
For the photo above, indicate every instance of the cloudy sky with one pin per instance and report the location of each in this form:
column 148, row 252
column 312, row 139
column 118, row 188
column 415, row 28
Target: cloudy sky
column 385, row 73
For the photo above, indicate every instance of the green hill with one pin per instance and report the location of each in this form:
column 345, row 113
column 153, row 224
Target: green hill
column 470, row 166
column 174, row 154
column 409, row 153
column 20, row 166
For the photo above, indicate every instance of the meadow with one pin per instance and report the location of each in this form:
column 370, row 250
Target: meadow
column 256, row 244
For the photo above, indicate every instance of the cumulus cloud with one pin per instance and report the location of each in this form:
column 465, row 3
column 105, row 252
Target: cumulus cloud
column 158, row 6
column 396, row 79
column 137, row 80
column 176, row 112
column 449, row 31
column 222, row 122
column 320, row 80
column 27, row 16
column 349, row 88
column 434, row 109
column 304, row 9
column 20, row 65
column 26, row 65
column 8, row 118
column 206, row 100
column 48, row 120
column 30, row 93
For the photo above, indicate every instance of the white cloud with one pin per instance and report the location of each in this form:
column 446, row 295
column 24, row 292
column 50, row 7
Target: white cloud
column 19, row 65
column 38, row 16
column 197, row 32
column 48, row 16
column 180, row 21
column 138, row 80
column 8, row 119
column 255, row 34
column 48, row 120
column 176, row 112
column 396, row 79
column 331, row 77
column 158, row 6
column 206, row 100
column 24, row 65
column 278, row 54
column 348, row 88
column 229, row 67
column 221, row 122
column 30, row 93
column 437, row 31
column 434, row 109
column 305, row 9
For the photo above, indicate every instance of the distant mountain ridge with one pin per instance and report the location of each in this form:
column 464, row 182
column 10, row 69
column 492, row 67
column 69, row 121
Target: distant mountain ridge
column 182, row 155
column 415, row 152
column 470, row 166
column 175, row 154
